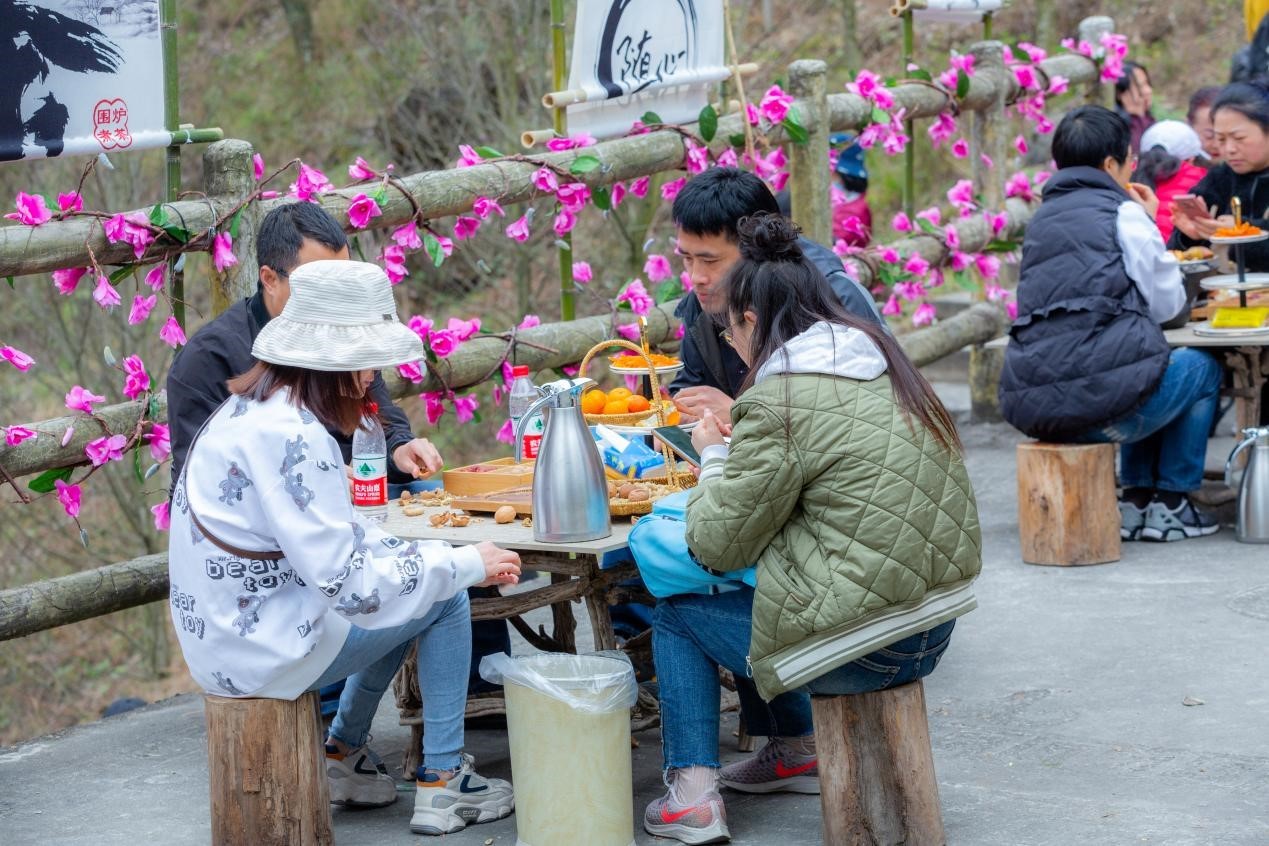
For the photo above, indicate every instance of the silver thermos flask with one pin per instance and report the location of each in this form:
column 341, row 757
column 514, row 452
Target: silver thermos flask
column 1253, row 490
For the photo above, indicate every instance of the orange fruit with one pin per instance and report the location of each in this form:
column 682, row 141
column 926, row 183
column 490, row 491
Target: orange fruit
column 616, row 406
column 673, row 418
column 593, row 402
column 637, row 403
column 619, row 394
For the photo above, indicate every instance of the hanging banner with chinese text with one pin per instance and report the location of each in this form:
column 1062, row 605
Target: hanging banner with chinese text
column 80, row 76
column 663, row 56
column 957, row 11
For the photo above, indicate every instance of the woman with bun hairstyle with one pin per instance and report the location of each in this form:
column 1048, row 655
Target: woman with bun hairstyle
column 1166, row 164
column 844, row 482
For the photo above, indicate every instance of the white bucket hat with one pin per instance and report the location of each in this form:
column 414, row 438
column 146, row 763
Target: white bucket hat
column 340, row 316
column 1179, row 139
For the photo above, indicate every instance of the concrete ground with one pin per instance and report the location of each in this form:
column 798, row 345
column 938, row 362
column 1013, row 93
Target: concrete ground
column 1116, row 704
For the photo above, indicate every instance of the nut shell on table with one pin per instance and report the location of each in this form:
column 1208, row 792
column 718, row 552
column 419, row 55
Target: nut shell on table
column 505, row 514
column 413, row 510
column 459, row 520
column 638, row 495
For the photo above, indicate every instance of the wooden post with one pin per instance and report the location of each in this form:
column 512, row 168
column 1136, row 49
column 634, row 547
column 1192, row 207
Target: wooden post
column 229, row 176
column 808, row 163
column 877, row 782
column 267, row 772
column 1067, row 510
column 1091, row 30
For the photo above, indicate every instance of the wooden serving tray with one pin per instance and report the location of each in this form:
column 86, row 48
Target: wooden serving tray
column 497, row 474
column 521, row 499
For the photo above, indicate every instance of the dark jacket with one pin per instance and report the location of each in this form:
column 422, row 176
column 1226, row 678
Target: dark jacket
column 1084, row 351
column 221, row 350
column 1216, row 189
column 711, row 362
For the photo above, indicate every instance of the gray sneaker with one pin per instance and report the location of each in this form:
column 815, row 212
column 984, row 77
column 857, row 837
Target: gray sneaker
column 443, row 807
column 1173, row 524
column 776, row 769
column 1132, row 520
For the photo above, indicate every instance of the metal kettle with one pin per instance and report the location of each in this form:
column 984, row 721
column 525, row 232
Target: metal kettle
column 1253, row 490
column 570, row 490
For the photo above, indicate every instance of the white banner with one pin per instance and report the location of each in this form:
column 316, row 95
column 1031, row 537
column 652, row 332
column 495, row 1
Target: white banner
column 957, row 11
column 635, row 56
column 80, row 76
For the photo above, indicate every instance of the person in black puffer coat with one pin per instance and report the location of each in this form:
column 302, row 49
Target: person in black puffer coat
column 1088, row 362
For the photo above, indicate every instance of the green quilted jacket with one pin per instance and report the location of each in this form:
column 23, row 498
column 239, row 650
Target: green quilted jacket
column 864, row 532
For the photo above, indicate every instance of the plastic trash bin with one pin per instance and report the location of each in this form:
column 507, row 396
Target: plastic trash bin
column 568, row 726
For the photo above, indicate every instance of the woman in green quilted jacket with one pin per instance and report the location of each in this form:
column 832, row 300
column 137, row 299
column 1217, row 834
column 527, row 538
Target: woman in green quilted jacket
column 844, row 482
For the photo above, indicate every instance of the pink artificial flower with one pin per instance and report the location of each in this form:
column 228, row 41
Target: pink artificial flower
column 895, row 143
column 420, row 326
column 573, row 196
column 892, row 307
column 407, row 235
column 1034, row 53
column 685, row 279
column 465, row 227
column 924, row 315
column 141, row 308
column 105, row 294
column 910, row 291
column 393, row 258
column 105, row 449
column 618, row 193
column 1044, row 126
column 917, row 265
column 943, row 128
column 519, row 230
column 1018, row 185
column 948, row 79
column 70, row 202
column 997, row 221
column 67, row 435
column 433, row 405
column 544, row 180
column 257, row 166
column 1025, row 75
column 1058, row 85
column 570, row 370
column 901, row 223
column 963, row 63
column 853, row 226
column 67, row 279
column 443, row 342
column 465, row 407
column 629, row 331
column 17, row 358
column 640, row 186
column 582, row 272
column 883, row 99
column 727, row 158
column 360, row 170
column 986, row 160
column 960, row 149
column 410, row 371
column 932, row 215
column 269, row 195
column 637, row 296
column 31, row 210
column 775, row 104
column 657, row 268
column 172, row 334
column 362, row 211
column 951, row 237
column 463, row 330
column 69, row 496
column 958, row 261
column 994, row 292
column 1020, row 144
column 564, row 222
column 223, row 251
column 1041, row 177
column 865, row 85
column 155, row 278
column 132, row 229
column 14, row 435
column 447, row 246
column 752, row 114
column 778, row 181
column 160, row 438
column 936, row 277
column 680, row 332
column 506, row 432
column 962, row 193
column 889, row 255
column 311, row 181
column 671, row 189
column 988, row 265
column 1011, row 309
column 697, row 160
column 1010, row 59
column 136, row 380
column 530, row 320
column 162, row 516
column 467, row 156
column 82, row 399
column 483, row 207
column 572, row 142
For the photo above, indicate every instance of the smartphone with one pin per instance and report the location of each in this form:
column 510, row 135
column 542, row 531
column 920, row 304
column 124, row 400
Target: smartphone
column 1192, row 206
column 678, row 441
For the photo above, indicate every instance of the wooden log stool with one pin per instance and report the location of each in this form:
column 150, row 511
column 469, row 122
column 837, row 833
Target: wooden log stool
column 267, row 772
column 1068, row 513
column 877, row 784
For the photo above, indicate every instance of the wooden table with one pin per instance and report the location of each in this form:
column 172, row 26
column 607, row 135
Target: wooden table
column 1247, row 361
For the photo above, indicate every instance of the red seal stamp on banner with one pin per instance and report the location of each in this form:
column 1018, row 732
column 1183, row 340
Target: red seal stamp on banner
column 110, row 124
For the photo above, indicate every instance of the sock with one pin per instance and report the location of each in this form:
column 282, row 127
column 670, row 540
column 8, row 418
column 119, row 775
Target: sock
column 1170, row 499
column 442, row 775
column 804, row 746
column 1139, row 497
column 691, row 783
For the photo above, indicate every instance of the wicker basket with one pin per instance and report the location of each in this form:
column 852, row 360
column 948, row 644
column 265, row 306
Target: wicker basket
column 625, row 508
column 634, row 418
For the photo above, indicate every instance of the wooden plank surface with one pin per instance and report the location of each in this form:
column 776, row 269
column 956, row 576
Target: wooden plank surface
column 509, row 535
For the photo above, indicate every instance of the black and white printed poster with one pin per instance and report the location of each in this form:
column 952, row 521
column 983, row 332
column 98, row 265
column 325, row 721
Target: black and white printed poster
column 79, row 76
column 635, row 56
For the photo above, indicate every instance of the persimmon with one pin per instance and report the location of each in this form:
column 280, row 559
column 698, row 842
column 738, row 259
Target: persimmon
column 616, row 406
column 638, row 403
column 620, row 394
column 673, row 418
column 593, row 402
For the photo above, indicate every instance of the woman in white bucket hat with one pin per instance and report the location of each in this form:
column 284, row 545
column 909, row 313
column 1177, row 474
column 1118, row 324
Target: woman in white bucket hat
column 1169, row 151
column 279, row 588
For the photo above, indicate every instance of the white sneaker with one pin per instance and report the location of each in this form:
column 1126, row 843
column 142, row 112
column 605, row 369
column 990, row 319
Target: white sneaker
column 358, row 779
column 443, row 807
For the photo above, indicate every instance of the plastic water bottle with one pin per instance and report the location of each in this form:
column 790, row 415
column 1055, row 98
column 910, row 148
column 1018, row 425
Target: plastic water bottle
column 370, row 467
column 524, row 394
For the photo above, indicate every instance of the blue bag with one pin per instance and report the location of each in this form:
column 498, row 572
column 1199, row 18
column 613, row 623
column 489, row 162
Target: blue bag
column 658, row 543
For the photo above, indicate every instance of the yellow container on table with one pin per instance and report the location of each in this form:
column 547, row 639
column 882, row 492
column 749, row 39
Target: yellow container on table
column 1252, row 317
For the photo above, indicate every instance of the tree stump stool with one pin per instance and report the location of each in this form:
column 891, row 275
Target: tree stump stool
column 267, row 772
column 877, row 784
column 1067, row 510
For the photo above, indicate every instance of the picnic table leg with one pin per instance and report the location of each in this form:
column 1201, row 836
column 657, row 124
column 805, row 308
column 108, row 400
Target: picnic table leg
column 564, row 625
column 600, row 618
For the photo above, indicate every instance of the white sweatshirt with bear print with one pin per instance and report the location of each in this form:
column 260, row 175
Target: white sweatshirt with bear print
column 266, row 476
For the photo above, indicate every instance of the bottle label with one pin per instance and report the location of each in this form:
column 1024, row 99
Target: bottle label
column 532, row 443
column 370, row 481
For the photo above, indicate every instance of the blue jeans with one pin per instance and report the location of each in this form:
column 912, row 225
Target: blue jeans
column 371, row 657
column 1163, row 444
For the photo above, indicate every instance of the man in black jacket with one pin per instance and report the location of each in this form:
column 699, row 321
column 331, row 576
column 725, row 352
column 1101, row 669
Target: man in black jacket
column 705, row 215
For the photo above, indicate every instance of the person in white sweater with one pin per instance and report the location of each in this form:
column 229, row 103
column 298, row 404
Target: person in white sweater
column 278, row 587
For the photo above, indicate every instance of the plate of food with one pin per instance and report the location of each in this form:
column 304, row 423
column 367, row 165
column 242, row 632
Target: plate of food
column 634, row 364
column 1195, row 259
column 1208, row 331
column 1241, row 233
column 1231, row 282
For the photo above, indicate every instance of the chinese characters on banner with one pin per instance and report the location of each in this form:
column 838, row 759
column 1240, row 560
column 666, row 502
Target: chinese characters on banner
column 80, row 76
column 629, row 58
column 957, row 11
